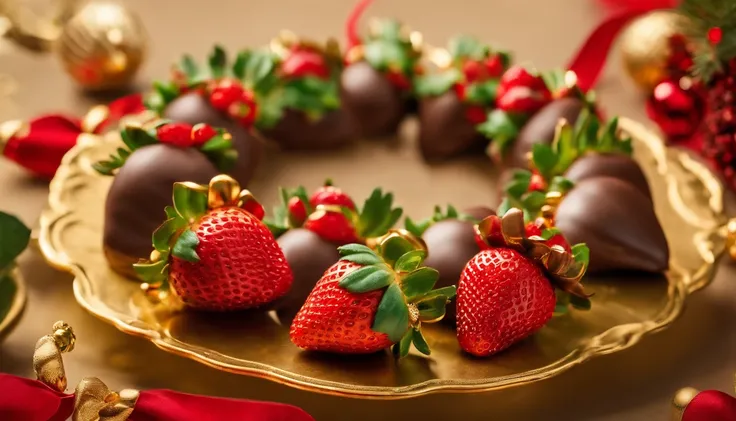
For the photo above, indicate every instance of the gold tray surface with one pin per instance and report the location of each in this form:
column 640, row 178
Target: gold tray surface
column 17, row 301
column 688, row 200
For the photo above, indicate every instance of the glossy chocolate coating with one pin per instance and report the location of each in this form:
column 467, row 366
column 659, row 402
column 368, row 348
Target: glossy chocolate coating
column 541, row 129
column 444, row 131
column 618, row 166
column 309, row 256
column 296, row 132
column 374, row 104
column 450, row 245
column 193, row 108
column 617, row 222
column 135, row 204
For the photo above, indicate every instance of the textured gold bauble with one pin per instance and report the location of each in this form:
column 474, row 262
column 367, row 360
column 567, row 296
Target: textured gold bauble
column 102, row 45
column 645, row 47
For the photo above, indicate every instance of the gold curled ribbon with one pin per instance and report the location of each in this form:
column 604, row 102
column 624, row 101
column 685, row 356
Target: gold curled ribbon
column 509, row 230
column 286, row 40
column 93, row 400
column 224, row 190
column 416, row 242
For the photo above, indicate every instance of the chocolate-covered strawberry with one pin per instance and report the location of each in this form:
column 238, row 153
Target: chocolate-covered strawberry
column 221, row 94
column 377, row 80
column 214, row 251
column 514, row 285
column 450, row 240
column 588, row 186
column 305, row 107
column 567, row 102
column 153, row 158
column 371, row 300
column 457, row 97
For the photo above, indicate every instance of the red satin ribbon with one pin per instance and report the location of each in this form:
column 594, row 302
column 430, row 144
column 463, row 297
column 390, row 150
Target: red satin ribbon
column 30, row 400
column 351, row 25
column 591, row 58
column 50, row 137
column 711, row 405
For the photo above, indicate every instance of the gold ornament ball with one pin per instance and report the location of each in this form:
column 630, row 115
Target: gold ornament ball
column 644, row 46
column 102, row 46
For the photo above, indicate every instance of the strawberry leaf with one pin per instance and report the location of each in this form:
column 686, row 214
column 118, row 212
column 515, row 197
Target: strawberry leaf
column 464, row 47
column 185, row 246
column 419, row 282
column 241, row 61
column 15, row 236
column 363, row 259
column 416, row 228
column 170, row 212
column 432, row 309
column 550, row 232
column 410, row 261
column 419, row 342
column 401, row 349
column 367, row 278
column 219, row 142
column 377, row 214
column 354, row 248
column 533, row 201
column 394, row 248
column 447, row 292
column 217, row 62
column 581, row 253
column 392, row 316
column 436, row 84
column 150, row 272
column 189, row 67
column 189, row 202
column 545, row 159
column 483, row 93
column 560, row 184
column 162, row 235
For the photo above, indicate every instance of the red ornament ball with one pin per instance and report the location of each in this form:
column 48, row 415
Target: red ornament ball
column 715, row 35
column 676, row 110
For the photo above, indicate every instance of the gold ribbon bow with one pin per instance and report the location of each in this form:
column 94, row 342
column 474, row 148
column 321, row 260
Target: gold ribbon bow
column 559, row 264
column 93, row 400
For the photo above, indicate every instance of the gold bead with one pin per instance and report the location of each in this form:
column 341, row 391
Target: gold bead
column 682, row 398
column 102, row 46
column 64, row 336
column 553, row 198
column 645, row 46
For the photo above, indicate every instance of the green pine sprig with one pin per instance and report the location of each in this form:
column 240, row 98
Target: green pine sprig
column 419, row 227
column 219, row 149
column 408, row 300
column 702, row 15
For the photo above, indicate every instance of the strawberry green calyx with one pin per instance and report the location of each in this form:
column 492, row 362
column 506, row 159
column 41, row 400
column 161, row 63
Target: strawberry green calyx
column 395, row 265
column 215, row 143
column 388, row 48
column 418, row 228
column 529, row 192
column 176, row 237
column 284, row 218
column 565, row 269
column 570, row 143
column 376, row 216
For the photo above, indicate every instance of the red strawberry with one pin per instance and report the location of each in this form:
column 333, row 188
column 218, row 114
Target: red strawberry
column 518, row 76
column 494, row 65
column 522, row 100
column 370, row 300
column 217, row 257
column 473, row 71
column 330, row 221
column 506, row 291
column 177, row 134
column 297, row 210
column 476, row 114
column 537, row 182
column 201, row 133
column 244, row 109
column 305, row 62
column 331, row 195
column 225, row 93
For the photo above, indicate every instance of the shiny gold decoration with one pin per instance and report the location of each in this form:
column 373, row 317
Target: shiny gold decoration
column 102, row 46
column 17, row 303
column 93, row 401
column 10, row 129
column 31, row 30
column 683, row 397
column 559, row 264
column 688, row 201
column 287, row 40
column 47, row 361
column 416, row 242
column 731, row 238
column 644, row 46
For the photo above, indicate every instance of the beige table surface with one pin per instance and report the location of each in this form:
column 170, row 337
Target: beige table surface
column 635, row 385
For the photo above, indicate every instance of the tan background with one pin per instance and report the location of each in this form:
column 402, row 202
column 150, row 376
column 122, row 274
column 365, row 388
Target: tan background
column 698, row 350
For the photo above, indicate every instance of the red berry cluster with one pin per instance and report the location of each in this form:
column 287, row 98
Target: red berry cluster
column 303, row 61
column 522, row 92
column 185, row 135
column 229, row 96
column 475, row 71
column 323, row 214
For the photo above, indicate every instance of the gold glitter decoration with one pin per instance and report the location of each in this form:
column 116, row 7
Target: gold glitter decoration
column 644, row 46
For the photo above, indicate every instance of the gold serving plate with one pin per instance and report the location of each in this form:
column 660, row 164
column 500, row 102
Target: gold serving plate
column 625, row 307
column 12, row 290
